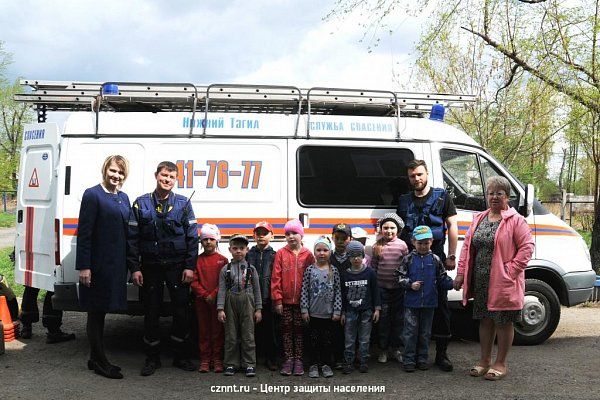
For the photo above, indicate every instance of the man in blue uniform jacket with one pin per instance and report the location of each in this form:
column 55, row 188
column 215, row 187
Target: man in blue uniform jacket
column 163, row 248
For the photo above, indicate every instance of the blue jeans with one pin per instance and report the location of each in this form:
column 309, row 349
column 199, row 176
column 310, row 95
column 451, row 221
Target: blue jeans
column 417, row 332
column 390, row 319
column 358, row 323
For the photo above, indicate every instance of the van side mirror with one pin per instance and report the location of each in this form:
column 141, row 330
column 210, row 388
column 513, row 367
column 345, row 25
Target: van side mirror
column 527, row 208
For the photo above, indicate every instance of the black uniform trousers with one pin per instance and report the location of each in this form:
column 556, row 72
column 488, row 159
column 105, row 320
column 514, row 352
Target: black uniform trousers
column 440, row 330
column 51, row 318
column 155, row 277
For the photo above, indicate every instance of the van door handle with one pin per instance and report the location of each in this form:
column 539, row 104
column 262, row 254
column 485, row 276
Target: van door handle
column 304, row 218
column 20, row 216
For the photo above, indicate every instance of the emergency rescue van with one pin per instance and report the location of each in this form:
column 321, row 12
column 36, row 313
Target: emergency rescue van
column 254, row 152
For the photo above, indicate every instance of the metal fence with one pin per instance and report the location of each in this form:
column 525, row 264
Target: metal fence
column 9, row 201
column 578, row 214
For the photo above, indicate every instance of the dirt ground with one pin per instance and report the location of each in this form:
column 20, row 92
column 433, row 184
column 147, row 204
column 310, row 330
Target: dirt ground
column 565, row 367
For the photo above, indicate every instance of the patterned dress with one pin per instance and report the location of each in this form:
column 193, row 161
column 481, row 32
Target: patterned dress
column 483, row 243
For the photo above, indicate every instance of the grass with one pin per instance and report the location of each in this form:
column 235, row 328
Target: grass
column 7, row 220
column 7, row 269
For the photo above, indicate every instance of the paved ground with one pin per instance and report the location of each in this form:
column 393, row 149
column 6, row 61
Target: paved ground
column 565, row 367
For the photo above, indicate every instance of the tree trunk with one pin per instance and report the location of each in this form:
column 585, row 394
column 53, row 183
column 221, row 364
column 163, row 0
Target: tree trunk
column 595, row 249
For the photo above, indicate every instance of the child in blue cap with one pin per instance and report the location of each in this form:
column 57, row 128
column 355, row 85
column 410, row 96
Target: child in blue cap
column 421, row 274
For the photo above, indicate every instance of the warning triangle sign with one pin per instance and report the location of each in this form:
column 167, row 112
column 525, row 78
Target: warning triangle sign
column 33, row 182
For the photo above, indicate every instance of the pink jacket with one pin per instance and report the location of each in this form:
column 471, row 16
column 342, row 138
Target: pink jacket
column 513, row 248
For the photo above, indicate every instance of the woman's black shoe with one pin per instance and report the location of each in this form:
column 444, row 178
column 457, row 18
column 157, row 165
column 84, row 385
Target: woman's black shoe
column 105, row 370
column 91, row 365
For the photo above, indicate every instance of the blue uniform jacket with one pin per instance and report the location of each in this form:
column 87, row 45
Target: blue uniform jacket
column 158, row 236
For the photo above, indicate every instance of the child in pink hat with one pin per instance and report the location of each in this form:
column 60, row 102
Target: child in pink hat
column 286, row 286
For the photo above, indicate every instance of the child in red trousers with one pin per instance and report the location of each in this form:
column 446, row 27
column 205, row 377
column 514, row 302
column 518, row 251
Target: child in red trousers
column 205, row 287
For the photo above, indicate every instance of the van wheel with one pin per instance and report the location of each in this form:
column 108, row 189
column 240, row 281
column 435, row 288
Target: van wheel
column 541, row 313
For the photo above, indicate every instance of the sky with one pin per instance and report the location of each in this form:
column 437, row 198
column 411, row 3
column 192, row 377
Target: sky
column 280, row 42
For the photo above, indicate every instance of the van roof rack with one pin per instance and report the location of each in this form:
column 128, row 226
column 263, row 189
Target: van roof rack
column 160, row 97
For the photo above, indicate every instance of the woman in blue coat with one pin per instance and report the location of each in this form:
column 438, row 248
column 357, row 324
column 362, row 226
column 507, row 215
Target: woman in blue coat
column 101, row 257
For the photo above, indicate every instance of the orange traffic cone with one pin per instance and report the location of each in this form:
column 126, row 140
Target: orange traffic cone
column 9, row 327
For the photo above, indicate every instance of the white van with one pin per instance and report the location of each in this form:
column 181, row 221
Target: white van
column 251, row 153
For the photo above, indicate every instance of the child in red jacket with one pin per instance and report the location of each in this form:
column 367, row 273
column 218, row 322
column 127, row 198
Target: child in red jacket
column 286, row 287
column 205, row 287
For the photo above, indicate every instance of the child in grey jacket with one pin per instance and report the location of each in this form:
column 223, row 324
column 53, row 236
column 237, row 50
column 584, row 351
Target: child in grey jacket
column 321, row 306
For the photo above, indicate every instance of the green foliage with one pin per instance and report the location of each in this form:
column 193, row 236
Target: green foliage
column 12, row 117
column 515, row 122
column 7, row 220
column 587, row 236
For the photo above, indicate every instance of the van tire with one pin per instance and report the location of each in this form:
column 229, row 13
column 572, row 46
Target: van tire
column 541, row 314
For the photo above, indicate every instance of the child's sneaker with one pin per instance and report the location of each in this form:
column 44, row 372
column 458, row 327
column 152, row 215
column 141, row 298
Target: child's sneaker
column 382, row 357
column 286, row 368
column 298, row 368
column 204, row 367
column 313, row 371
column 218, row 366
column 363, row 368
column 398, row 355
column 348, row 368
column 229, row 371
column 327, row 372
column 250, row 371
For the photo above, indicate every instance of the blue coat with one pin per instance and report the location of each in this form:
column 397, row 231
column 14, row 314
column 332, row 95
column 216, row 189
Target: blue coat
column 101, row 247
column 430, row 270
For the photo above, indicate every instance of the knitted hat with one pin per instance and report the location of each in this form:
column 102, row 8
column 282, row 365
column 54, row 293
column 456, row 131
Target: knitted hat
column 294, row 226
column 422, row 232
column 323, row 240
column 391, row 217
column 210, row 231
column 355, row 249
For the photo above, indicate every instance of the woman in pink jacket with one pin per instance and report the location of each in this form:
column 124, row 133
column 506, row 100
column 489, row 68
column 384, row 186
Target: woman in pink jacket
column 491, row 270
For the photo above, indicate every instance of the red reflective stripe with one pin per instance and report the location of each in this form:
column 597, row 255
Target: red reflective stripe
column 29, row 247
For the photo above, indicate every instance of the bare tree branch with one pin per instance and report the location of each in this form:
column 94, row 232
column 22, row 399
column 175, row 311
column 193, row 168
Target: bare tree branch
column 512, row 55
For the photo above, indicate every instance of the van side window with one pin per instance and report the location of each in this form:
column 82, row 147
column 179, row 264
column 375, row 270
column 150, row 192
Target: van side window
column 465, row 176
column 332, row 176
column 463, row 179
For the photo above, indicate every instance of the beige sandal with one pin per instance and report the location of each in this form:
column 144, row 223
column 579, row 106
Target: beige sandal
column 495, row 375
column 477, row 371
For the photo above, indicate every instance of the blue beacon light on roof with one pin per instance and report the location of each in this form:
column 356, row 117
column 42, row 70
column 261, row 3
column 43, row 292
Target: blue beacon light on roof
column 110, row 88
column 437, row 112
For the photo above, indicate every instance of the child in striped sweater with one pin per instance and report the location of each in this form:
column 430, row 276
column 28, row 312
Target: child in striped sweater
column 388, row 253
